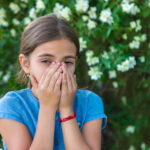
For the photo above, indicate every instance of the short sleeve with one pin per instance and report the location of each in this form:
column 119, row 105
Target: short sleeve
column 95, row 109
column 10, row 107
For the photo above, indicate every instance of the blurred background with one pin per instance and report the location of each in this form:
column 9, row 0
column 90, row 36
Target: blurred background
column 114, row 58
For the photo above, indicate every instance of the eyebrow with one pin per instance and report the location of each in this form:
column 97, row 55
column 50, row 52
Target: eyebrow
column 47, row 54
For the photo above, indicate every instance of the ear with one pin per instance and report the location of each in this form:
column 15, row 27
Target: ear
column 24, row 62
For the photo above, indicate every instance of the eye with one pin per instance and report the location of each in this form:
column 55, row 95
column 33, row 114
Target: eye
column 68, row 62
column 45, row 61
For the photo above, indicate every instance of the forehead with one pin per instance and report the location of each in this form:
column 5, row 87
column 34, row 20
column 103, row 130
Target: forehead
column 56, row 48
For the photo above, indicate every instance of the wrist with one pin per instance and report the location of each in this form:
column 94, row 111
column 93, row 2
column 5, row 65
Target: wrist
column 66, row 112
column 47, row 109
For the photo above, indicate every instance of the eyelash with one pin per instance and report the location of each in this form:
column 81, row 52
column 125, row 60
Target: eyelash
column 68, row 62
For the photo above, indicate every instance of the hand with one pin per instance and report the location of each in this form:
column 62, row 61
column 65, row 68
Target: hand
column 68, row 90
column 48, row 88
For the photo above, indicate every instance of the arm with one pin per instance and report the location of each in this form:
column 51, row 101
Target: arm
column 73, row 138
column 17, row 136
column 44, row 136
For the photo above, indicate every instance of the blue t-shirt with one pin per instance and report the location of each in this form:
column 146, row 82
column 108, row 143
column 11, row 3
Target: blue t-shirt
column 22, row 106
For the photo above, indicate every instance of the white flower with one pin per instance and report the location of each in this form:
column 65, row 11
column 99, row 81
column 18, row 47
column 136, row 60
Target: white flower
column 134, row 44
column 131, row 147
column 94, row 73
column 112, row 74
column 136, row 25
column 127, row 64
column 6, row 77
column 115, row 84
column 91, row 24
column 89, row 53
column 92, row 60
column 66, row 13
column 85, row 18
column 133, row 24
column 3, row 22
column 134, row 9
column 2, row 13
column 92, row 12
column 40, row 5
column 113, row 49
column 58, row 8
column 15, row 21
column 132, row 62
column 27, row 21
column 129, row 8
column 14, row 7
column 143, row 38
column 105, row 16
column 124, row 66
column 81, row 5
column 126, row 7
column 137, row 38
column 13, row 32
column 124, row 100
column 130, row 129
column 142, row 59
column 105, row 55
column 82, row 44
column 33, row 13
column 149, row 3
column 143, row 146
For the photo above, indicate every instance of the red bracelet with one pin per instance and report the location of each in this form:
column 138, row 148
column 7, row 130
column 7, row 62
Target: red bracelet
column 68, row 118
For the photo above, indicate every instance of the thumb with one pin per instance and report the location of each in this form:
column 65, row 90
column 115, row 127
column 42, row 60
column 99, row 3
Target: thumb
column 34, row 81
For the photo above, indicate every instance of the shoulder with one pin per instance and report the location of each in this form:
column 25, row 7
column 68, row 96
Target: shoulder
column 88, row 95
column 12, row 99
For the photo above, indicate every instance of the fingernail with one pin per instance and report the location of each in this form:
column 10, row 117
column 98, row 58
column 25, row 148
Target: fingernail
column 53, row 62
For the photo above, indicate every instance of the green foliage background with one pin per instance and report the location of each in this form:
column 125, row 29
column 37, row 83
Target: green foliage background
column 126, row 97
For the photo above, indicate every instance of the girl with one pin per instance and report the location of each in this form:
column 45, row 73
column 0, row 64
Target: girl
column 51, row 113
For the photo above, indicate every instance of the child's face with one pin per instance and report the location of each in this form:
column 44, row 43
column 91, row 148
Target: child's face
column 40, row 59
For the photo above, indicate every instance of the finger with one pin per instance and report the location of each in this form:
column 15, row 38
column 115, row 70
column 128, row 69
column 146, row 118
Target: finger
column 33, row 81
column 58, row 82
column 64, row 81
column 67, row 78
column 70, row 78
column 54, row 78
column 50, row 74
column 45, row 73
column 73, row 80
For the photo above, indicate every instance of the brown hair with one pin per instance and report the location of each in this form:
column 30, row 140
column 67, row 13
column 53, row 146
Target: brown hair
column 41, row 30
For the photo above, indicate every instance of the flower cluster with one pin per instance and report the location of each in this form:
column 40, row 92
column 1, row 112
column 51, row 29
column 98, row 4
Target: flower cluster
column 129, row 8
column 3, row 22
column 136, row 25
column 82, row 44
column 94, row 73
column 106, row 16
column 129, row 63
column 82, row 5
column 60, row 10
column 135, row 44
column 90, row 59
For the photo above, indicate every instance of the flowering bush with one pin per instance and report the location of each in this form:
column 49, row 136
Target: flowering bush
column 114, row 58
